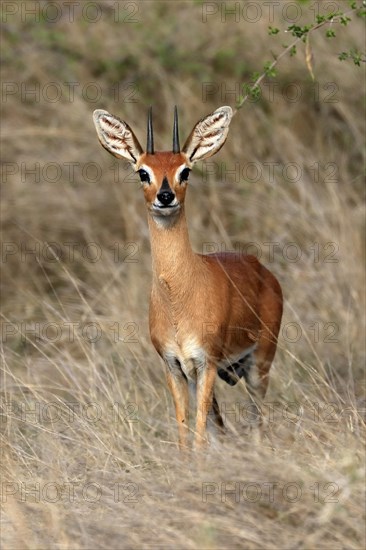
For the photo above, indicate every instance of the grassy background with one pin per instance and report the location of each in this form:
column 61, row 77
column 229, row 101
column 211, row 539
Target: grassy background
column 88, row 433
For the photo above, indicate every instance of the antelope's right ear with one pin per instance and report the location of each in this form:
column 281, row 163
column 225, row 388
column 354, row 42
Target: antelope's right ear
column 116, row 136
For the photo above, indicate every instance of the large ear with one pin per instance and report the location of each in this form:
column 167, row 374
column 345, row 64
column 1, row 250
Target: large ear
column 116, row 136
column 209, row 135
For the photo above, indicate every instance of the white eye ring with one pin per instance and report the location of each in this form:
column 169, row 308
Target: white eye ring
column 183, row 174
column 144, row 176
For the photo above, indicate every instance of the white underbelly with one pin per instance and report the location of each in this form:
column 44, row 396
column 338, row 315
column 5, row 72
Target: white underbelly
column 235, row 357
column 192, row 356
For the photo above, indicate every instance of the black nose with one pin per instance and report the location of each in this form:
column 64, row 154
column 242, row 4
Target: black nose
column 166, row 197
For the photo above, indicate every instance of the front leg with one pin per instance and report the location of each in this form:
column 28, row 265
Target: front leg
column 178, row 386
column 206, row 376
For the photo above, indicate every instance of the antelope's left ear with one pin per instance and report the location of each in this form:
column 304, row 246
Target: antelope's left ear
column 209, row 135
column 116, row 136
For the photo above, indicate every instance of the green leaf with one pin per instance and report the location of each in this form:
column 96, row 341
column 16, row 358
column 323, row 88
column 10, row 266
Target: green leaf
column 268, row 70
column 356, row 56
column 254, row 76
column 293, row 51
column 295, row 30
column 320, row 18
column 330, row 33
column 345, row 20
column 252, row 90
column 357, row 59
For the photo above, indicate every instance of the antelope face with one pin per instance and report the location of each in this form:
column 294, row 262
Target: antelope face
column 164, row 175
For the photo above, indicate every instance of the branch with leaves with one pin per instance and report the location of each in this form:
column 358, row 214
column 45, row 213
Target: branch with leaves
column 302, row 34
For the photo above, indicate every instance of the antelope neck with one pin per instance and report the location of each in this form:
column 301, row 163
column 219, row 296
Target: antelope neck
column 172, row 256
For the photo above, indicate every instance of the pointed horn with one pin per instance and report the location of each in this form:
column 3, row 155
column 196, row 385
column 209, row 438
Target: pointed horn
column 150, row 135
column 176, row 148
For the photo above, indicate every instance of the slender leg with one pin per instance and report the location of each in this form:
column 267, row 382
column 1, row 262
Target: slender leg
column 217, row 415
column 257, row 387
column 178, row 386
column 270, row 312
column 205, row 387
column 258, row 376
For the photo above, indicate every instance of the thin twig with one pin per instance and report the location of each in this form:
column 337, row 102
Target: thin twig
column 334, row 19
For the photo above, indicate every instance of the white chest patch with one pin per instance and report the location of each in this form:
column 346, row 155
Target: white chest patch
column 188, row 356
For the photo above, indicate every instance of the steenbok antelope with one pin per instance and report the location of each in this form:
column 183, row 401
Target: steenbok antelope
column 209, row 314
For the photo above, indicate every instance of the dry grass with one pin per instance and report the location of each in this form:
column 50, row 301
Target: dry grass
column 88, row 434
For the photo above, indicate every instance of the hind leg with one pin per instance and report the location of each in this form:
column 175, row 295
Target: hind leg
column 270, row 313
column 257, row 379
column 257, row 388
column 219, row 423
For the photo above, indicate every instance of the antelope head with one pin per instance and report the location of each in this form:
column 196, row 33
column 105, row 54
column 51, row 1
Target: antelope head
column 164, row 174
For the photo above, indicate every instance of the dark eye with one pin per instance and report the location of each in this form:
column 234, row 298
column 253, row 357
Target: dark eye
column 184, row 174
column 144, row 176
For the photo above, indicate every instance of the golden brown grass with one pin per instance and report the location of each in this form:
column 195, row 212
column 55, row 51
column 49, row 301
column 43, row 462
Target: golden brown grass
column 88, row 433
